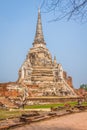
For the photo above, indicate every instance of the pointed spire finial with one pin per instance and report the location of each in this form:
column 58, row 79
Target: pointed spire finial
column 39, row 38
column 39, row 10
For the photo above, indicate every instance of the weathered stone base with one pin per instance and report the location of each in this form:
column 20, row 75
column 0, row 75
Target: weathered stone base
column 47, row 100
column 52, row 89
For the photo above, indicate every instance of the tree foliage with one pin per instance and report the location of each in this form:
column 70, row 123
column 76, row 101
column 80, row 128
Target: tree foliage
column 70, row 9
column 84, row 86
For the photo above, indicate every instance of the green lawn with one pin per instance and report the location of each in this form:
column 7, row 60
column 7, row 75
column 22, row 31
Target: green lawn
column 16, row 113
column 43, row 106
column 4, row 114
column 52, row 105
column 49, row 105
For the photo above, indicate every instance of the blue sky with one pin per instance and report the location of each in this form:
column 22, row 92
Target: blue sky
column 66, row 40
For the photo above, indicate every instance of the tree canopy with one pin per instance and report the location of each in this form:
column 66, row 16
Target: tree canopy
column 84, row 86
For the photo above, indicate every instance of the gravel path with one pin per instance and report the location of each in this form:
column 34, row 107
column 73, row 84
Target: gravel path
column 77, row 121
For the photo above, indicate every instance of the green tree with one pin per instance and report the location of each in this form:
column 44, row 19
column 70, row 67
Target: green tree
column 84, row 86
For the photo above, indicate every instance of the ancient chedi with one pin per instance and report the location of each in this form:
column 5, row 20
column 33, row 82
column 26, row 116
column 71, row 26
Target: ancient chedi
column 40, row 70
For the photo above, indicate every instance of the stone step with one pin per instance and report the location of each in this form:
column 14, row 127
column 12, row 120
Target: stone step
column 39, row 74
column 39, row 78
column 42, row 67
column 43, row 70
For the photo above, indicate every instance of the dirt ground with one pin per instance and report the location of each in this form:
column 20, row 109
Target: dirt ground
column 77, row 121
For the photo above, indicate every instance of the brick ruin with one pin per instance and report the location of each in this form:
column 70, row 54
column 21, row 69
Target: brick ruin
column 39, row 75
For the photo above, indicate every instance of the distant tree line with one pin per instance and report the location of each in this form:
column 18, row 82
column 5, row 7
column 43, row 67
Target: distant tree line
column 84, row 86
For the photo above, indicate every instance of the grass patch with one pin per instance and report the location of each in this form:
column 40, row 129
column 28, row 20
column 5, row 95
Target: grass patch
column 49, row 105
column 4, row 114
column 72, row 103
column 84, row 103
column 43, row 106
column 18, row 112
